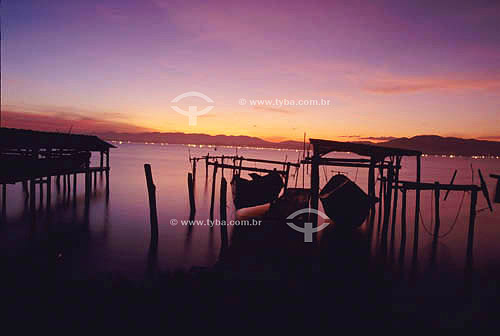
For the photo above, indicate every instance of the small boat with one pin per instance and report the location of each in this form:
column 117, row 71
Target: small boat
column 292, row 200
column 257, row 191
column 345, row 202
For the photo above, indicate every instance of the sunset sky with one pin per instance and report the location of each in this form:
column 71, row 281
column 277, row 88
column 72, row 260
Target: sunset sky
column 389, row 68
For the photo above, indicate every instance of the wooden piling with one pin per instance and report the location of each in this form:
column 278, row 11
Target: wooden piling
column 41, row 191
column 4, row 197
column 74, row 185
column 95, row 180
column 206, row 165
column 192, row 205
column 437, row 191
column 371, row 181
column 396, row 195
column 222, row 169
column 287, row 174
column 387, row 201
column 194, row 169
column 403, row 213
column 452, row 180
column 49, row 191
column 472, row 221
column 417, row 203
column 107, row 173
column 153, row 216
column 223, row 213
column 32, row 195
column 314, row 188
column 87, row 187
column 212, row 198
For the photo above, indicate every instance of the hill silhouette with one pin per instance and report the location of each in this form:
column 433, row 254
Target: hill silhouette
column 428, row 144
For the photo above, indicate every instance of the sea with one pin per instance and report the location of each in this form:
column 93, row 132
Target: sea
column 113, row 233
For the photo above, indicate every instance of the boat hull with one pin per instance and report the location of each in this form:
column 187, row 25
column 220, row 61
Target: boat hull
column 345, row 202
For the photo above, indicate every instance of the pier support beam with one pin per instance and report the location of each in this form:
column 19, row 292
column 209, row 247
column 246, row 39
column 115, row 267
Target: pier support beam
column 314, row 189
column 32, row 195
column 223, row 213
column 49, row 192
column 212, row 198
column 417, row 205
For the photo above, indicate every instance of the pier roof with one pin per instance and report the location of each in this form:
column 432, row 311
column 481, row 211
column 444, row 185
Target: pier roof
column 16, row 139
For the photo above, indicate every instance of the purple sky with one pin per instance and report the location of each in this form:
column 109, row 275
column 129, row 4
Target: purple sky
column 389, row 68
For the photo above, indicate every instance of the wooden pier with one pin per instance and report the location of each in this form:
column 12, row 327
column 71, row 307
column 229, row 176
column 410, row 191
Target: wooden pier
column 34, row 157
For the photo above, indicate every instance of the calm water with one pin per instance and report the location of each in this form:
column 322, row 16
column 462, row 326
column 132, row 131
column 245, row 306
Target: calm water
column 113, row 236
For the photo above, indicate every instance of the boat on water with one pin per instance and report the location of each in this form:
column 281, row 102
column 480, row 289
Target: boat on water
column 257, row 191
column 345, row 202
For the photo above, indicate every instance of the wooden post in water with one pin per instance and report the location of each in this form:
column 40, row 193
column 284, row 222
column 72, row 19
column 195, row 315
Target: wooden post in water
column 32, row 195
column 194, row 169
column 153, row 216
column 287, row 175
column 222, row 169
column 74, row 186
column 223, row 213
column 212, row 198
column 314, row 188
column 87, row 186
column 387, row 201
column 192, row 205
column 403, row 214
column 381, row 194
column 437, row 191
column 49, row 191
column 396, row 189
column 41, row 191
column 107, row 173
column 206, row 165
column 64, row 184
column 95, row 180
column 472, row 221
column 417, row 206
column 101, row 161
column 371, row 181
column 4, row 198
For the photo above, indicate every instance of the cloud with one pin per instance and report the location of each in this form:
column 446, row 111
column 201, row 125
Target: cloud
column 490, row 137
column 274, row 110
column 409, row 85
column 64, row 121
column 381, row 138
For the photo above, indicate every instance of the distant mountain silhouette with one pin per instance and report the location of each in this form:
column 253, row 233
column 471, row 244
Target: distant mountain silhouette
column 428, row 144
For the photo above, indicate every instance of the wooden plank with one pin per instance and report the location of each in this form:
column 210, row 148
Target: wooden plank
column 431, row 186
column 254, row 169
